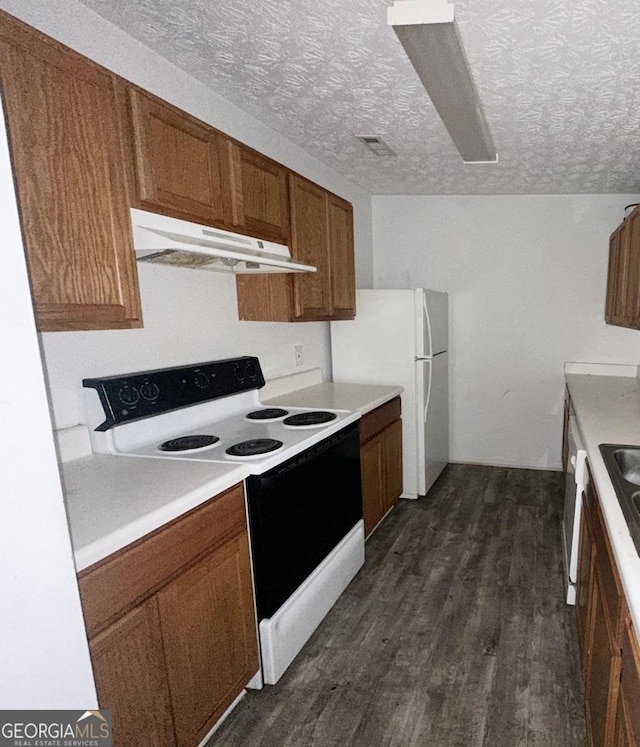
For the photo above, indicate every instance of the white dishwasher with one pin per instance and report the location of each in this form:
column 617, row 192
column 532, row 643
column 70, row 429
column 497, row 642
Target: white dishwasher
column 577, row 478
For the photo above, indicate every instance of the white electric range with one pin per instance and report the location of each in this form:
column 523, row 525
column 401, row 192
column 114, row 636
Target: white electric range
column 303, row 493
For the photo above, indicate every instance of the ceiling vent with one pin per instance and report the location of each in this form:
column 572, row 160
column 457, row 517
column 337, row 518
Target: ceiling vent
column 377, row 145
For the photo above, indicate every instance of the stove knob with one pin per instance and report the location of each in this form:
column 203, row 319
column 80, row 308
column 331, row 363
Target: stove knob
column 251, row 370
column 201, row 380
column 150, row 391
column 128, row 395
column 239, row 373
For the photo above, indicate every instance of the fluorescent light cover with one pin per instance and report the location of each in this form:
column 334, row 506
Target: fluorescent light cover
column 430, row 39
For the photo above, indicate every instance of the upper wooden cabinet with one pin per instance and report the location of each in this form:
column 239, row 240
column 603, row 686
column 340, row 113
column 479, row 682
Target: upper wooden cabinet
column 622, row 306
column 260, row 203
column 86, row 146
column 341, row 259
column 179, row 162
column 310, row 244
column 321, row 235
column 64, row 120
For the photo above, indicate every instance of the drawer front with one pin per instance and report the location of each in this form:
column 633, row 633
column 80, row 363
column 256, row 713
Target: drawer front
column 378, row 419
column 113, row 585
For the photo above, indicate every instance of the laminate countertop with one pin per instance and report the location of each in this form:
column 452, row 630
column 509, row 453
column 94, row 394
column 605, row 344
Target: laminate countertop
column 114, row 500
column 608, row 411
column 362, row 398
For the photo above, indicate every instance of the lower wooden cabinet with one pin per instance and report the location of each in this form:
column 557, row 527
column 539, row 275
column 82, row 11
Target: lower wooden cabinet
column 627, row 732
column 173, row 649
column 131, row 678
column 380, row 462
column 608, row 646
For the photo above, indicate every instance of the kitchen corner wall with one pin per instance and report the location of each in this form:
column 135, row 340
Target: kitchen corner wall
column 188, row 316
column 526, row 277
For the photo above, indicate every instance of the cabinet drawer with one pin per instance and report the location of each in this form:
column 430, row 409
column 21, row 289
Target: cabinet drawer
column 127, row 577
column 612, row 591
column 377, row 420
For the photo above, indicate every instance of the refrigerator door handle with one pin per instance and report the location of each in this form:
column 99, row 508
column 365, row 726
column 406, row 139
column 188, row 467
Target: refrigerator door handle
column 428, row 397
column 427, row 320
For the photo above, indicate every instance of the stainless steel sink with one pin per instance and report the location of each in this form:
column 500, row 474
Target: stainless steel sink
column 628, row 460
column 623, row 464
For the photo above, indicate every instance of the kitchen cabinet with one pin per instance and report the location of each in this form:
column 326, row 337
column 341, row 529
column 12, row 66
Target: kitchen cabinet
column 627, row 733
column 261, row 203
column 622, row 306
column 380, row 462
column 321, row 235
column 600, row 615
column 65, row 124
column 175, row 611
column 179, row 162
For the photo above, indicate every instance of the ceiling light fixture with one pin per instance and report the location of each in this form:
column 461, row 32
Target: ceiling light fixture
column 430, row 38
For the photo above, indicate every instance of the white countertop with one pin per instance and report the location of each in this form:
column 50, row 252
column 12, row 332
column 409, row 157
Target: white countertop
column 360, row 398
column 608, row 411
column 114, row 500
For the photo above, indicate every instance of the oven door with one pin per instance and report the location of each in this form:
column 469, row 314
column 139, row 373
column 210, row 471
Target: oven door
column 575, row 483
column 299, row 511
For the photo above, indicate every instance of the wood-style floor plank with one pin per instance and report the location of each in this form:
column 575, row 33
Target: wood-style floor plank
column 454, row 634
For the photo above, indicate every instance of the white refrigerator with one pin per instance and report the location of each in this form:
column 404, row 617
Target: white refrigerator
column 401, row 337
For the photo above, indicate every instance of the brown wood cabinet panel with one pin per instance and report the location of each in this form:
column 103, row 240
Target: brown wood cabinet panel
column 612, row 592
column 263, row 208
column 372, row 484
column 630, row 685
column 65, row 124
column 342, row 263
column 130, row 674
column 178, row 161
column 110, row 587
column 603, row 678
column 622, row 306
column 393, row 464
column 380, row 462
column 321, row 235
column 377, row 420
column 309, row 244
column 209, row 633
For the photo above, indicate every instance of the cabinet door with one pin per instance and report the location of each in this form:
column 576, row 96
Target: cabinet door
column 64, row 118
column 373, row 497
column 392, row 452
column 586, row 559
column 209, row 633
column 612, row 277
column 310, row 244
column 632, row 299
column 264, row 211
column 341, row 252
column 603, row 677
column 130, row 674
column 628, row 718
column 178, row 161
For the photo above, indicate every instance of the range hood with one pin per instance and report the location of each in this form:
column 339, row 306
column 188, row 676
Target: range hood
column 169, row 241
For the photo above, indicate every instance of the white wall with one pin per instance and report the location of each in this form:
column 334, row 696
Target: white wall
column 43, row 646
column 526, row 278
column 188, row 316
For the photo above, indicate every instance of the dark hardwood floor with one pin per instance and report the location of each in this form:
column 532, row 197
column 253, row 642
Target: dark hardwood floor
column 454, row 633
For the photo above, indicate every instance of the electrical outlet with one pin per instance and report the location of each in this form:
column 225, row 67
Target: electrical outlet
column 299, row 355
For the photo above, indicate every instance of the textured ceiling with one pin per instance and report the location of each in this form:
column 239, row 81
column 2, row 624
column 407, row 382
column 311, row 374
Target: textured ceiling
column 560, row 85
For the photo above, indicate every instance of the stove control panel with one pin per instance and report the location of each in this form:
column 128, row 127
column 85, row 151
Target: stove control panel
column 145, row 393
